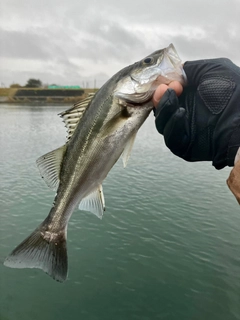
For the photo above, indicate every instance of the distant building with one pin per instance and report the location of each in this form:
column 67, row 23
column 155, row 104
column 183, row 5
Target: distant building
column 63, row 87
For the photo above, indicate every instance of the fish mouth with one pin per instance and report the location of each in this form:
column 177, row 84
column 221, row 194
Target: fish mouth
column 140, row 98
column 143, row 90
column 137, row 98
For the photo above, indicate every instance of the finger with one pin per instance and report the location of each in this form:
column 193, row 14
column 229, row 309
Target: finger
column 177, row 87
column 159, row 92
column 162, row 88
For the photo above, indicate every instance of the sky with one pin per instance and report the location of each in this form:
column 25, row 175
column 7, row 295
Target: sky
column 85, row 42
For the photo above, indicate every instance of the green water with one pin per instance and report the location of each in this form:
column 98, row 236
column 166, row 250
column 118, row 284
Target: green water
column 168, row 246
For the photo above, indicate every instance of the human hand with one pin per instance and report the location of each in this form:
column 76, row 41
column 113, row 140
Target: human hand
column 203, row 123
column 162, row 88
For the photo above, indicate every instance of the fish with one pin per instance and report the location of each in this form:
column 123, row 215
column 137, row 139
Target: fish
column 100, row 129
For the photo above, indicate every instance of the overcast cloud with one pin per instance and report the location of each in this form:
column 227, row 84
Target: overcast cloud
column 75, row 42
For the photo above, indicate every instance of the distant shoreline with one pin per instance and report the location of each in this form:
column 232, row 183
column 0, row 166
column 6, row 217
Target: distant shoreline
column 42, row 95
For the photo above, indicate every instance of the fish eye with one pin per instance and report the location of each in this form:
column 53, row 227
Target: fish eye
column 148, row 60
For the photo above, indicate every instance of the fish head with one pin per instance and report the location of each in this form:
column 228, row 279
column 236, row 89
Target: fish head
column 141, row 79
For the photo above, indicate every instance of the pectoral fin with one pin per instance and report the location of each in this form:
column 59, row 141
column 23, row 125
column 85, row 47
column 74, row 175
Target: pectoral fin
column 94, row 203
column 127, row 150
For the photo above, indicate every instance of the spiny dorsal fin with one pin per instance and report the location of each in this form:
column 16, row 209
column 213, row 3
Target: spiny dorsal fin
column 72, row 116
column 94, row 203
column 49, row 166
column 127, row 150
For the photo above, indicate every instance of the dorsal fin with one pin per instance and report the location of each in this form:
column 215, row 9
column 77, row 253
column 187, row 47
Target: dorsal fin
column 72, row 116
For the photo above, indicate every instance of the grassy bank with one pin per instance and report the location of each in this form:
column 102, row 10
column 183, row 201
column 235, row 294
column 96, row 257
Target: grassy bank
column 6, row 92
column 25, row 95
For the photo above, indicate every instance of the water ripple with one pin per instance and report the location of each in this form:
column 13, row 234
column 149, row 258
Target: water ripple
column 167, row 247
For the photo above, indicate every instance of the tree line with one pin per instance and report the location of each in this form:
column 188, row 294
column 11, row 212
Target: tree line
column 31, row 83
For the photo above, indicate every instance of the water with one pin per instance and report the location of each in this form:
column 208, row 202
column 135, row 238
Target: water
column 168, row 246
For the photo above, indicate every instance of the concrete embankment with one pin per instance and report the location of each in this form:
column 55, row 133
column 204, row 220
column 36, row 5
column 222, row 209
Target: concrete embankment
column 36, row 95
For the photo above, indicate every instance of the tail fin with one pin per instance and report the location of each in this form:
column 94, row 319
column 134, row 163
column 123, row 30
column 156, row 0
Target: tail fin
column 43, row 250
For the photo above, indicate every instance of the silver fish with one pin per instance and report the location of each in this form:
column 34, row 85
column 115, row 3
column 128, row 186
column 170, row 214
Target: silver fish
column 100, row 130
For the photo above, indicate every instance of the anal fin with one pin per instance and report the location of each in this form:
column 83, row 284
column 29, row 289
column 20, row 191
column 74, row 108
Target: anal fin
column 94, row 203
